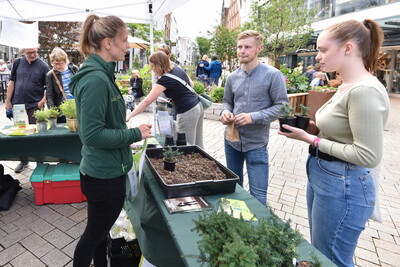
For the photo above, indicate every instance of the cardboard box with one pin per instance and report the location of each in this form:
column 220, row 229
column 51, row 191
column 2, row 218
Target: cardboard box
column 57, row 183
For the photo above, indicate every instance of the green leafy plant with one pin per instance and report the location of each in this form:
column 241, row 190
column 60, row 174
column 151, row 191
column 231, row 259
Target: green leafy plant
column 227, row 241
column 286, row 111
column 124, row 90
column 323, row 88
column 304, row 110
column 217, row 94
column 145, row 74
column 68, row 109
column 295, row 81
column 198, row 87
column 171, row 154
column 53, row 112
column 41, row 115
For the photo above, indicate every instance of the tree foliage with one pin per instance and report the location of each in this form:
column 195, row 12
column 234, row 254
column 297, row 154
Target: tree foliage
column 142, row 31
column 204, row 45
column 224, row 44
column 58, row 34
column 285, row 24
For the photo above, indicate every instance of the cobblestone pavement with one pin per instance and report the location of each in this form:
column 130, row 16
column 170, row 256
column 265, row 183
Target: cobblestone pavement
column 46, row 235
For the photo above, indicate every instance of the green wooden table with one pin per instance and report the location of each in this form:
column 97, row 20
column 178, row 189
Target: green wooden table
column 167, row 240
column 55, row 145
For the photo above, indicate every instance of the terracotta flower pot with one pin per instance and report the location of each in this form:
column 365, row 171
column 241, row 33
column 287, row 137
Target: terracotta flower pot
column 72, row 125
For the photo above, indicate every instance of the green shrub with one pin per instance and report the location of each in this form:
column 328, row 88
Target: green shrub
column 295, row 81
column 217, row 94
column 68, row 109
column 227, row 241
column 145, row 74
column 124, row 90
column 198, row 87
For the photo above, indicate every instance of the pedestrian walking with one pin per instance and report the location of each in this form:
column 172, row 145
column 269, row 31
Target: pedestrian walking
column 215, row 69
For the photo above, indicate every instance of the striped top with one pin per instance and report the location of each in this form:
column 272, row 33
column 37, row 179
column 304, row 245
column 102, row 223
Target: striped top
column 66, row 78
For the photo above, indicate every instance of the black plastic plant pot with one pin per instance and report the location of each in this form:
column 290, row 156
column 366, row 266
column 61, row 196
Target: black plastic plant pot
column 288, row 121
column 302, row 122
column 181, row 139
column 169, row 141
column 169, row 165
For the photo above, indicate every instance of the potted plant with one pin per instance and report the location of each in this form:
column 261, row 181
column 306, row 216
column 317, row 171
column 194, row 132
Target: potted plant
column 68, row 109
column 302, row 118
column 286, row 117
column 41, row 120
column 53, row 114
column 170, row 158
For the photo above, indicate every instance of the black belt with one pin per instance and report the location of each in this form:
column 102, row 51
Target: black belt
column 318, row 154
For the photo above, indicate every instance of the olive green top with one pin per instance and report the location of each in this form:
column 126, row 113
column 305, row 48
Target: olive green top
column 351, row 123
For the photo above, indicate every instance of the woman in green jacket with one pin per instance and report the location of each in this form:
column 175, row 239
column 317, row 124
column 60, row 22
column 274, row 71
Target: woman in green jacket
column 106, row 155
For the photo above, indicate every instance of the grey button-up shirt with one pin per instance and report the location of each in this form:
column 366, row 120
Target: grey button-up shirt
column 259, row 93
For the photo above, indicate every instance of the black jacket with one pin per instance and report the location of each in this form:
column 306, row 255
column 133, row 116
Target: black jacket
column 54, row 96
column 136, row 85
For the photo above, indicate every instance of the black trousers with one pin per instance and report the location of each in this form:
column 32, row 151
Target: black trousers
column 105, row 198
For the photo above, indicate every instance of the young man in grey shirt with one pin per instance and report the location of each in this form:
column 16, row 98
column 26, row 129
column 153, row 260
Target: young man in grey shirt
column 253, row 96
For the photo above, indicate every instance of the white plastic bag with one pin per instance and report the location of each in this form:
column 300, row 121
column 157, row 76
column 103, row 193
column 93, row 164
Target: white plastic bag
column 376, row 175
column 123, row 228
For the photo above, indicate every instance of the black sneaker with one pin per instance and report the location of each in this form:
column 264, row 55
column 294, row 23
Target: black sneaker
column 21, row 166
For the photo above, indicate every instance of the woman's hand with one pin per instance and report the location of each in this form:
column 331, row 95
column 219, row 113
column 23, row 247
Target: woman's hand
column 312, row 128
column 145, row 130
column 297, row 133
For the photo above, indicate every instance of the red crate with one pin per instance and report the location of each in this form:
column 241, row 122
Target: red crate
column 58, row 184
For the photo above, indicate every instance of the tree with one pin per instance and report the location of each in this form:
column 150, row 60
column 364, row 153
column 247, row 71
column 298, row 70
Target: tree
column 285, row 25
column 224, row 44
column 142, row 31
column 58, row 34
column 204, row 45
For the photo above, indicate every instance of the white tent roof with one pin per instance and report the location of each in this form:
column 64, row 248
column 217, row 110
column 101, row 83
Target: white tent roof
column 135, row 42
column 133, row 11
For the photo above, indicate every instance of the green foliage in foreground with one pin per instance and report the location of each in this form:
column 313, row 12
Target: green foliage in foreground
column 227, row 241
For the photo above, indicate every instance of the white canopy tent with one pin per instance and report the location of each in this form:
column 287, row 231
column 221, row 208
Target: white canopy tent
column 130, row 11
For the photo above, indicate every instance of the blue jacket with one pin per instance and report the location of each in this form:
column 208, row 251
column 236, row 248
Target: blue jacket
column 215, row 69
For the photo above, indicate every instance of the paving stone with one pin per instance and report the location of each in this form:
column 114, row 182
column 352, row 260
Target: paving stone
column 33, row 242
column 25, row 220
column 55, row 258
column 15, row 237
column 27, row 259
column 64, row 224
column 7, row 254
column 367, row 255
column 65, row 209
column 43, row 250
column 41, row 227
column 79, row 216
column 388, row 257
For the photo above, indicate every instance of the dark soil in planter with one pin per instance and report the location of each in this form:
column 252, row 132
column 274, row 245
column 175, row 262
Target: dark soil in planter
column 189, row 168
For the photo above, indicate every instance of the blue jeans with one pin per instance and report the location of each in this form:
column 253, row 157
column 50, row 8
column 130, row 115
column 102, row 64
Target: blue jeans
column 340, row 199
column 257, row 169
column 214, row 81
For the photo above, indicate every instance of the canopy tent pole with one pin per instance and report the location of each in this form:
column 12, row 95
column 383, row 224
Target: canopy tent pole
column 153, row 77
